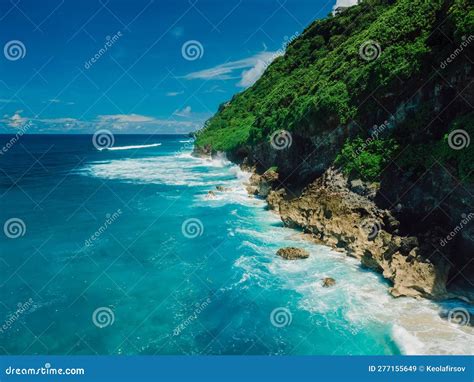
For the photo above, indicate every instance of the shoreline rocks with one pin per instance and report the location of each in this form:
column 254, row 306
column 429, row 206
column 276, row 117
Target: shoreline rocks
column 262, row 185
column 350, row 222
column 292, row 253
column 328, row 282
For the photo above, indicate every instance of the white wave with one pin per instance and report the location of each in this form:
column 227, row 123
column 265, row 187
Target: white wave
column 181, row 170
column 188, row 141
column 361, row 296
column 408, row 343
column 130, row 147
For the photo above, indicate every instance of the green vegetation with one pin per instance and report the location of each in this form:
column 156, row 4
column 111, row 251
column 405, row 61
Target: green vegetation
column 419, row 158
column 366, row 159
column 323, row 81
column 272, row 169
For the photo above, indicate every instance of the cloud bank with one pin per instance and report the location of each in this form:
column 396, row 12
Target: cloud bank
column 121, row 123
column 247, row 70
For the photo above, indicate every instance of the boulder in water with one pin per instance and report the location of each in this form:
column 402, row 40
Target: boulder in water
column 292, row 253
column 328, row 282
column 211, row 195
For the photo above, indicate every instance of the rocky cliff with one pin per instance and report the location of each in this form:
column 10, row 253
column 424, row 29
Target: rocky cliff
column 361, row 137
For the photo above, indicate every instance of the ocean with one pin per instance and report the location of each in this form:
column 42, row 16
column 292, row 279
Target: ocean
column 124, row 251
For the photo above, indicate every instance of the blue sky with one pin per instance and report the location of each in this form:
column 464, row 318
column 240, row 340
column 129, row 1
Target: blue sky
column 141, row 66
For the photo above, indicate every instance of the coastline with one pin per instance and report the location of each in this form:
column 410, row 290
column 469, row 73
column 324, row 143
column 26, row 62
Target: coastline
column 420, row 325
column 335, row 212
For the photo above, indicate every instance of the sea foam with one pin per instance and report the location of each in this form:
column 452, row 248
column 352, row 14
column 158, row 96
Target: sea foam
column 361, row 296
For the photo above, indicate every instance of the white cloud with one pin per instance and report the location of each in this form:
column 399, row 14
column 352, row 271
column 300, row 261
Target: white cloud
column 124, row 118
column 174, row 94
column 255, row 66
column 214, row 89
column 185, row 112
column 57, row 100
column 345, row 3
column 16, row 120
column 127, row 123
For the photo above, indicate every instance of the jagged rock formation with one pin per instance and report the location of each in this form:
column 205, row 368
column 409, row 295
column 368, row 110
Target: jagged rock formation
column 362, row 138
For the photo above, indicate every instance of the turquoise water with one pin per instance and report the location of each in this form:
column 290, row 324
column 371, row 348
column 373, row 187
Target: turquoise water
column 109, row 262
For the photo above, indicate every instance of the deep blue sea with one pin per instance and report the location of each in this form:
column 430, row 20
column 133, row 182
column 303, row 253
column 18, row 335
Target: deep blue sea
column 124, row 252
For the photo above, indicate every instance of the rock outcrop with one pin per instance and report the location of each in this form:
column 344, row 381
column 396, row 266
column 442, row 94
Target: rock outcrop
column 337, row 216
column 261, row 185
column 292, row 253
column 322, row 106
column 328, row 282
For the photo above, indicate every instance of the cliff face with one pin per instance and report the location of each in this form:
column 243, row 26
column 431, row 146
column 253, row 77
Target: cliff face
column 367, row 130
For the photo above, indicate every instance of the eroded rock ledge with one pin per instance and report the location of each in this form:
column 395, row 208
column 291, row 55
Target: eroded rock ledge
column 343, row 215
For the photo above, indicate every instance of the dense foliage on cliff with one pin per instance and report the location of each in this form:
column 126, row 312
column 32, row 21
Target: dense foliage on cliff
column 326, row 79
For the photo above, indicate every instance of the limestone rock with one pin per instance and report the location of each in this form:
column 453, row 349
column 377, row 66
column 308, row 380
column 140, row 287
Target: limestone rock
column 328, row 282
column 292, row 253
column 343, row 219
column 261, row 185
column 211, row 195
